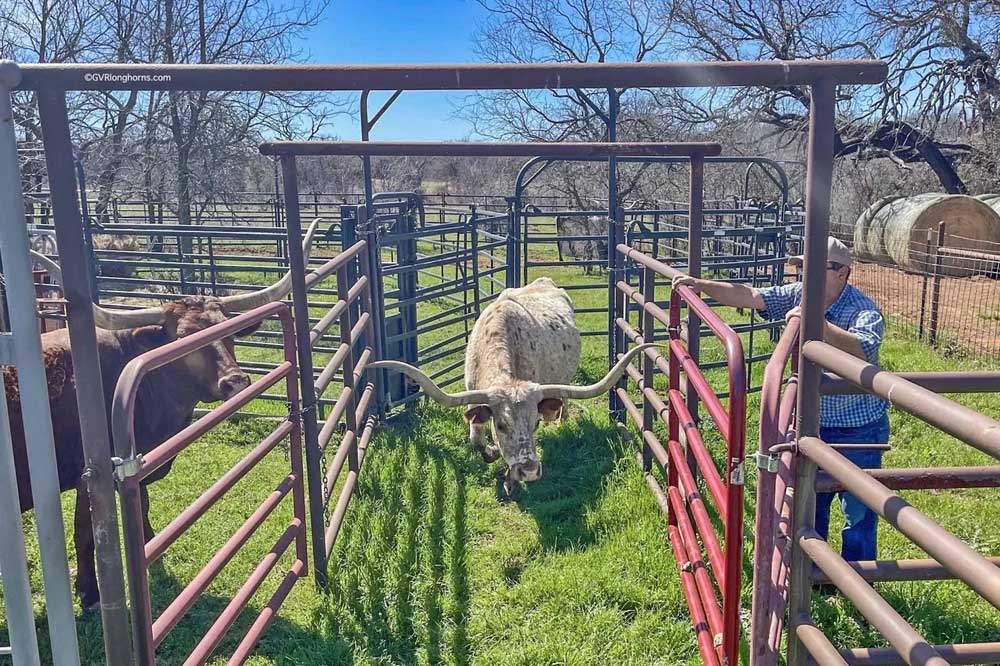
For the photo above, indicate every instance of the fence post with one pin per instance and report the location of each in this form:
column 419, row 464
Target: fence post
column 936, row 291
column 300, row 309
column 474, row 242
column 923, row 284
column 648, row 412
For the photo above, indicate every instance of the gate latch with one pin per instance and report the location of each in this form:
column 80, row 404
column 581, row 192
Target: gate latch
column 125, row 468
column 737, row 473
column 769, row 463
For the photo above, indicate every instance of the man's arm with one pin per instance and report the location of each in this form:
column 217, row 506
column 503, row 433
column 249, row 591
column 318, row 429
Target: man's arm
column 728, row 293
column 861, row 341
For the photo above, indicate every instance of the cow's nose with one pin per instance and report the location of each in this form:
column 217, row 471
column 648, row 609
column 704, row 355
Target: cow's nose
column 529, row 470
column 232, row 384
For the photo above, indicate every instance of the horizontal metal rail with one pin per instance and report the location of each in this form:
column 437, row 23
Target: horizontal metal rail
column 970, row 426
column 528, row 76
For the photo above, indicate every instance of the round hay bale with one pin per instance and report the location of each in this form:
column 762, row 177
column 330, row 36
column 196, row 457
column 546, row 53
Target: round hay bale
column 863, row 226
column 903, row 226
column 991, row 200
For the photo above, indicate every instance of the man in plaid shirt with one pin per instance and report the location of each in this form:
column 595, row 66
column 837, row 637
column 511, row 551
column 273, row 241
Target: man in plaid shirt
column 855, row 325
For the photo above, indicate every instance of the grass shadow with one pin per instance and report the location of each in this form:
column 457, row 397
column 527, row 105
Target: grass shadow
column 399, row 581
column 576, row 458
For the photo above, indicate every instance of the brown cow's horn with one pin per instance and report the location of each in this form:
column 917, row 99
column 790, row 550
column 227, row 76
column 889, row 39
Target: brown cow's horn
column 475, row 397
column 278, row 290
column 568, row 391
column 108, row 319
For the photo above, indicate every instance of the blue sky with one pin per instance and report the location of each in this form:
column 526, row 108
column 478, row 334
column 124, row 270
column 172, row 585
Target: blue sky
column 387, row 31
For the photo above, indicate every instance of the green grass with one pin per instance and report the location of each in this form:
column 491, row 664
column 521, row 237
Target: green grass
column 434, row 566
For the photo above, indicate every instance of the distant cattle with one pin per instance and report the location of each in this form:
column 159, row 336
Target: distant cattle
column 594, row 245
column 523, row 352
column 165, row 402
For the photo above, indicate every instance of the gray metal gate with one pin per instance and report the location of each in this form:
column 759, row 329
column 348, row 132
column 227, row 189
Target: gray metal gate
column 436, row 272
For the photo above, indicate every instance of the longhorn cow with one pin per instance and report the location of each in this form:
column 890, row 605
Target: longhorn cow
column 166, row 399
column 523, row 352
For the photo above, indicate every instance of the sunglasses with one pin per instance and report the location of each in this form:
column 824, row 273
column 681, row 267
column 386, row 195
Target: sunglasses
column 834, row 267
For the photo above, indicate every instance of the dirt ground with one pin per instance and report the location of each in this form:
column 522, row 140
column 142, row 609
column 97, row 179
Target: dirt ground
column 968, row 308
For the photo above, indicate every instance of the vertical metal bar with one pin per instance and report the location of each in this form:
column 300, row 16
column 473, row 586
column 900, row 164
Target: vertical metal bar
column 13, row 561
column 695, row 221
column 936, row 289
column 648, row 412
column 366, row 160
column 348, row 369
column 138, row 573
column 923, row 283
column 474, row 242
column 370, row 266
column 819, row 177
column 87, row 369
column 300, row 308
column 696, row 196
column 373, row 337
column 16, row 265
column 611, row 121
column 295, row 438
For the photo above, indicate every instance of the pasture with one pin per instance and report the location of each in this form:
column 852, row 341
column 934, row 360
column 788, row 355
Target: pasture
column 435, row 567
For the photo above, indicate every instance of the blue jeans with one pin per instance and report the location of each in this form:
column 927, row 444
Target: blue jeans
column 860, row 522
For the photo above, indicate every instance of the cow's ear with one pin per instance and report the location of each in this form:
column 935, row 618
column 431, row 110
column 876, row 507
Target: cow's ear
column 550, row 409
column 478, row 414
column 151, row 337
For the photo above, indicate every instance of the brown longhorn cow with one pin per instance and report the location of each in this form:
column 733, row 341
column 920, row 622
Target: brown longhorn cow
column 166, row 399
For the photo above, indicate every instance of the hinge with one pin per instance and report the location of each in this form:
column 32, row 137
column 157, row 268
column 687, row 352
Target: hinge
column 125, row 468
column 769, row 463
column 737, row 473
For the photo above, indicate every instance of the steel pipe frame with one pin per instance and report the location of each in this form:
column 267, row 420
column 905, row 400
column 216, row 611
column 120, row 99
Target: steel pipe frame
column 974, row 428
column 922, row 478
column 145, row 633
column 762, row 650
column 889, row 571
column 22, row 347
column 938, row 382
column 870, row 603
column 819, row 181
column 52, row 82
column 961, row 560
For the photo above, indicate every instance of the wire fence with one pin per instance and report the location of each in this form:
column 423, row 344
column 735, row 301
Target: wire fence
column 947, row 292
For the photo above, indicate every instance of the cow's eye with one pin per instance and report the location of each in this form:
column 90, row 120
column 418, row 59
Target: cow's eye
column 500, row 426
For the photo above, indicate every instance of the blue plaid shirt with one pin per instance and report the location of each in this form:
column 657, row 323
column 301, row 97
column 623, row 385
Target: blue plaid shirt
column 857, row 314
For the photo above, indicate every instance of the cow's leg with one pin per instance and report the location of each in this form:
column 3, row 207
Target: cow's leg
column 147, row 527
column 83, row 539
column 477, row 437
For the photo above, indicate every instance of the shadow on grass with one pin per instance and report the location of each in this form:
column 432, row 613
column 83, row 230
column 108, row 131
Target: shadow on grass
column 282, row 642
column 577, row 456
column 399, row 583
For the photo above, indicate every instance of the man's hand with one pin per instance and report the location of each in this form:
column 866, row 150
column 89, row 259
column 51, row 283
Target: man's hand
column 794, row 312
column 685, row 281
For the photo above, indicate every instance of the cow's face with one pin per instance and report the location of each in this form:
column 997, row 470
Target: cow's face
column 514, row 413
column 212, row 372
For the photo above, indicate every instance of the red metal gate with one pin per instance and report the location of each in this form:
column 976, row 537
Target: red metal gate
column 717, row 626
column 132, row 469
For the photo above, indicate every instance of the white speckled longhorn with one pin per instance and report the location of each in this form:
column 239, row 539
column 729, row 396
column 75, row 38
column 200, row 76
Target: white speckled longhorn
column 522, row 354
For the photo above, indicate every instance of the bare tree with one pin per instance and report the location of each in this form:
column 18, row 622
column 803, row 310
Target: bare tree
column 570, row 31
column 871, row 123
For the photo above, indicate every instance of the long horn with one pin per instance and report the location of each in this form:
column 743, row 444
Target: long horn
column 108, row 319
column 475, row 397
column 570, row 392
column 278, row 290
